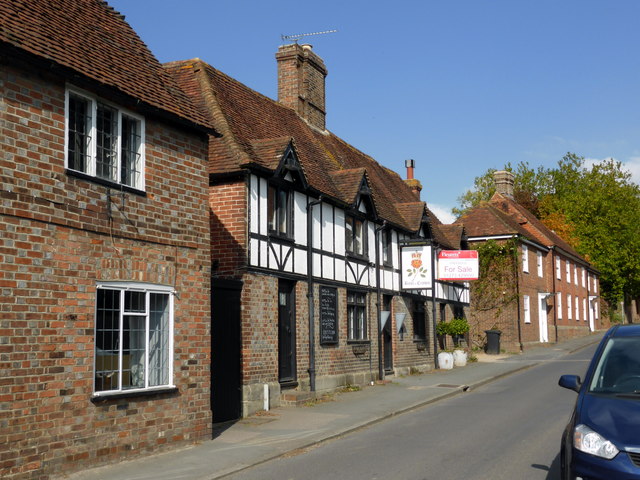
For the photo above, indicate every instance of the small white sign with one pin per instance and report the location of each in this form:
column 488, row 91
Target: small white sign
column 458, row 265
column 416, row 267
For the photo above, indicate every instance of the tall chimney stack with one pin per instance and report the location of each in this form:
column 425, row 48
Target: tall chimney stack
column 414, row 184
column 504, row 182
column 301, row 79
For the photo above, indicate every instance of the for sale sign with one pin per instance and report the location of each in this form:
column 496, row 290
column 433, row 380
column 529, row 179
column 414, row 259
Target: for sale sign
column 458, row 265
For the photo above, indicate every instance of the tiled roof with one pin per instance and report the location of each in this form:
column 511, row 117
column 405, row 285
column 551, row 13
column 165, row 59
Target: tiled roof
column 268, row 152
column 454, row 235
column 90, row 38
column 503, row 216
column 331, row 166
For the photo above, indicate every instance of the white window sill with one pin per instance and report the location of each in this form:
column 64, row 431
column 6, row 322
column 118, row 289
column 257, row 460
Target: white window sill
column 137, row 392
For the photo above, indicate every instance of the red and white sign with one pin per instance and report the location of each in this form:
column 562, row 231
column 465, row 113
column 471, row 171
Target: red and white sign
column 458, row 265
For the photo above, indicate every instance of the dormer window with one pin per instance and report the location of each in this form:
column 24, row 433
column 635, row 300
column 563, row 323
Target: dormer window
column 355, row 235
column 279, row 213
column 103, row 141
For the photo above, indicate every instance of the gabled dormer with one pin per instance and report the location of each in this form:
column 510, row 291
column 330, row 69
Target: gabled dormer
column 278, row 155
column 290, row 168
column 355, row 191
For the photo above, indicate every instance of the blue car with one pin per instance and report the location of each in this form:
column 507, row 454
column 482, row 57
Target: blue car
column 602, row 439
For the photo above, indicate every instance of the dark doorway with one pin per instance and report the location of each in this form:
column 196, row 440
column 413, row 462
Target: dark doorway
column 286, row 333
column 226, row 393
column 387, row 335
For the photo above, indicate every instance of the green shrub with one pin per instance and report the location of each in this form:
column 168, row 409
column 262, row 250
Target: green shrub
column 458, row 326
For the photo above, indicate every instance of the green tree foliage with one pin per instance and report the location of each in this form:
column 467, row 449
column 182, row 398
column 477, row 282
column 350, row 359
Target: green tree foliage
column 530, row 186
column 602, row 205
column 594, row 208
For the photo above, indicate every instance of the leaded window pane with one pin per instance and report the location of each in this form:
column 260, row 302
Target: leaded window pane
column 349, row 234
column 131, row 158
column 79, row 133
column 107, row 142
column 158, row 340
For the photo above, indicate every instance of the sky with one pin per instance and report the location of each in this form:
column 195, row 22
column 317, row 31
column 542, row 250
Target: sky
column 459, row 86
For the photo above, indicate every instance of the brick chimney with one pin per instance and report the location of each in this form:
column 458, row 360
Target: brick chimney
column 301, row 77
column 415, row 185
column 504, row 182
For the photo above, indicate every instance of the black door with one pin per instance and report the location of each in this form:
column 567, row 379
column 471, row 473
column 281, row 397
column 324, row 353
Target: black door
column 387, row 337
column 226, row 394
column 286, row 333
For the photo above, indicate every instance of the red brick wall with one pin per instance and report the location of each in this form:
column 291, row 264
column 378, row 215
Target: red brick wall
column 407, row 352
column 506, row 317
column 57, row 241
column 228, row 204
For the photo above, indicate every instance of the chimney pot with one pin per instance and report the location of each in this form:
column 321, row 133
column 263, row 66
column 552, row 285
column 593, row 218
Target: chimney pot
column 504, row 183
column 414, row 185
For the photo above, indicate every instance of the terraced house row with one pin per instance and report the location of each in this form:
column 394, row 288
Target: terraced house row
column 177, row 249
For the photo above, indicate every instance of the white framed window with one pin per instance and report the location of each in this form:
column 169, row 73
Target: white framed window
column 577, row 300
column 559, row 297
column 355, row 239
column 539, row 263
column 357, row 315
column 595, row 284
column 575, row 274
column 595, row 310
column 584, row 309
column 386, row 239
column 569, row 316
column 558, row 269
column 583, row 278
column 527, row 309
column 568, row 271
column 133, row 337
column 103, row 141
column 280, row 211
column 525, row 259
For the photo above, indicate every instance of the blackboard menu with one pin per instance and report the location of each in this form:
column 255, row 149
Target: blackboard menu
column 328, row 315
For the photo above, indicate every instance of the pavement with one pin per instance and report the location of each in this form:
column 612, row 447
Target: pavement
column 290, row 430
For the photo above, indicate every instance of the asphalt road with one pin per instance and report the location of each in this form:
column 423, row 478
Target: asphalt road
column 509, row 429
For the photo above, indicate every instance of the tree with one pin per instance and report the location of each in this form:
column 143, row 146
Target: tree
column 602, row 205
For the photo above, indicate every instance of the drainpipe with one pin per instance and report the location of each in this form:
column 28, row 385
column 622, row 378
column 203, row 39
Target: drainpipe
column 515, row 268
column 379, row 299
column 555, row 300
column 433, row 305
column 312, row 333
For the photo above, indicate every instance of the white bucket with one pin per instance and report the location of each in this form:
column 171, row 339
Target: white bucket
column 459, row 358
column 445, row 360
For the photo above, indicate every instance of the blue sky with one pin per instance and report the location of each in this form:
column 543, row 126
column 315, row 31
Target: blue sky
column 460, row 86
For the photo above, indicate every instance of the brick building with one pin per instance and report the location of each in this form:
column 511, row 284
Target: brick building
column 104, row 244
column 306, row 236
column 549, row 292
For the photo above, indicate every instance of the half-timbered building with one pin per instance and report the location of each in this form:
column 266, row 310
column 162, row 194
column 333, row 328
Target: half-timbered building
column 306, row 232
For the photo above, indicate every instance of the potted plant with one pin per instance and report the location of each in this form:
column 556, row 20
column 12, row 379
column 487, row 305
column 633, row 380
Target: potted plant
column 442, row 330
column 457, row 328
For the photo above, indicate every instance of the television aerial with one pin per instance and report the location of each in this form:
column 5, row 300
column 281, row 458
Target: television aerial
column 295, row 38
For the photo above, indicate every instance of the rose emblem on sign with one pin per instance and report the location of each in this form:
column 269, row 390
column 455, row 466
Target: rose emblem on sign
column 417, row 268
